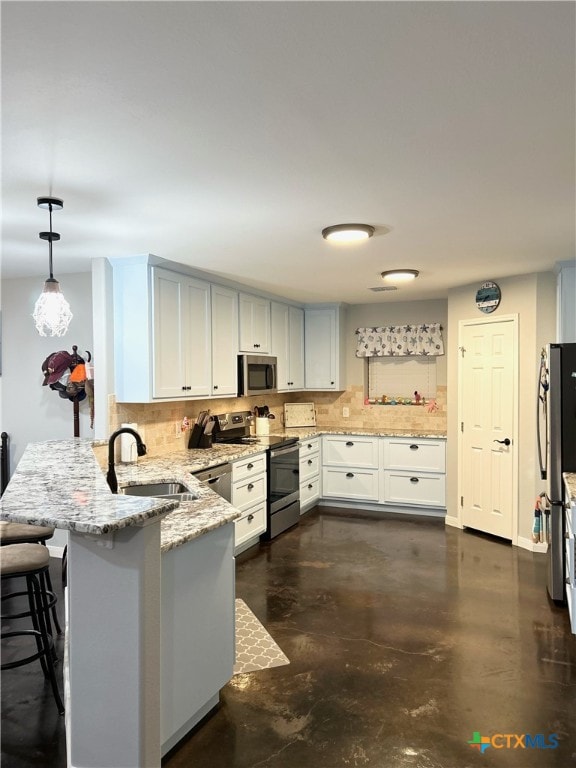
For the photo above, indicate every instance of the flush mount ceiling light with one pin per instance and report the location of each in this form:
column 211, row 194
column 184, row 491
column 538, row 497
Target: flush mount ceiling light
column 347, row 233
column 399, row 275
column 52, row 313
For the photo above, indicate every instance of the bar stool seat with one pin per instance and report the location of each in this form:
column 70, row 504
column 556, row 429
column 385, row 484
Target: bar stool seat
column 31, row 562
column 23, row 533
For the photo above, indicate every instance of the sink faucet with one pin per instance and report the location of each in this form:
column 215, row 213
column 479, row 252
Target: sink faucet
column 140, row 448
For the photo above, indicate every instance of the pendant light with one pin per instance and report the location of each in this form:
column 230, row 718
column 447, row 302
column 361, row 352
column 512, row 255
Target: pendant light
column 52, row 313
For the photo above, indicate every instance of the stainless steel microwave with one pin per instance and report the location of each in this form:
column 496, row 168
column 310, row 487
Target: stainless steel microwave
column 256, row 375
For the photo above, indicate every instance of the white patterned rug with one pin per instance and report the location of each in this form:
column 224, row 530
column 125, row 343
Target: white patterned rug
column 255, row 649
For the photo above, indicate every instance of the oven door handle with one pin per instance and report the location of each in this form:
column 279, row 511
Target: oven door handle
column 283, row 451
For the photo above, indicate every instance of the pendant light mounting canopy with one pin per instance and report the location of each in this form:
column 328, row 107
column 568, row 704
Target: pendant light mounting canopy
column 45, row 202
column 347, row 232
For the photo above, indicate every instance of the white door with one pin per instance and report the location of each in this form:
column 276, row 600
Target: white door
column 488, row 407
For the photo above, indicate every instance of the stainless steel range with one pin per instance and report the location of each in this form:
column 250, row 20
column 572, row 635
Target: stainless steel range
column 282, row 460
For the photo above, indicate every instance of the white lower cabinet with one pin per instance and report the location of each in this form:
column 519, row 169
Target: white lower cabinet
column 351, row 467
column 309, row 473
column 398, row 471
column 249, row 496
column 414, row 471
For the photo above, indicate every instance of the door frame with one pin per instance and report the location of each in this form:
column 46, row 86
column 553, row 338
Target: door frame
column 513, row 318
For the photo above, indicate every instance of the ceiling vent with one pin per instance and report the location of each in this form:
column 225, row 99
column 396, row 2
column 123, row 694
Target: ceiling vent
column 384, row 288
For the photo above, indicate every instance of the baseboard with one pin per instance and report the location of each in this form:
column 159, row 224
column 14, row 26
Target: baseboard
column 453, row 521
column 360, row 505
column 532, row 546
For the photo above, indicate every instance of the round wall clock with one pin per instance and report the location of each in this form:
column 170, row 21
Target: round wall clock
column 488, row 297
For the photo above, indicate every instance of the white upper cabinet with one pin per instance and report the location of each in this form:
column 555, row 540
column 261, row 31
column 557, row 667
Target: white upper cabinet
column 287, row 345
column 224, row 341
column 175, row 336
column 254, row 324
column 323, row 348
column 181, row 338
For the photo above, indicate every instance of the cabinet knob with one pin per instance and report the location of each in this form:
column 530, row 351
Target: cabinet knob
column 309, row 446
column 331, row 382
column 215, row 386
column 414, row 447
column 249, row 466
column 349, row 474
column 250, row 518
column 188, row 387
column 183, row 387
column 250, row 486
column 310, row 461
column 349, row 442
column 414, row 480
column 310, row 486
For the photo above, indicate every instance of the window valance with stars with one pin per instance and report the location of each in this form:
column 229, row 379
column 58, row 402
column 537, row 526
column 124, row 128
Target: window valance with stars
column 400, row 341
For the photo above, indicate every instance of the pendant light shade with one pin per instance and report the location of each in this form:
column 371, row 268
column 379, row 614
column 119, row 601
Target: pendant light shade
column 347, row 233
column 52, row 313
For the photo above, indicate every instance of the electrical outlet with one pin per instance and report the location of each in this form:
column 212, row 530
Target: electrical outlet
column 345, row 412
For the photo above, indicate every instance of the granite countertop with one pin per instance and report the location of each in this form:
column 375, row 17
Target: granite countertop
column 305, row 432
column 570, row 483
column 59, row 483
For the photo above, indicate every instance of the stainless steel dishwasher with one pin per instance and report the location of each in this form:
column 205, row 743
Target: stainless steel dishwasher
column 218, row 479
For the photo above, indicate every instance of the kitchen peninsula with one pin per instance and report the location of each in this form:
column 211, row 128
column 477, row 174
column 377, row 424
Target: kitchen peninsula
column 150, row 599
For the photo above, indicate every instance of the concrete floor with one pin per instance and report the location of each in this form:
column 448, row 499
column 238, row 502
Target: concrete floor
column 405, row 638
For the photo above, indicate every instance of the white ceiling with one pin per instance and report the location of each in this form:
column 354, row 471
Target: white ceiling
column 226, row 135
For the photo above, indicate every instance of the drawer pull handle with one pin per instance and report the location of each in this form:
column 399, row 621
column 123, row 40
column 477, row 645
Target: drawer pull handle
column 249, row 466
column 250, row 518
column 349, row 474
column 414, row 447
column 414, row 480
column 250, row 486
column 349, row 442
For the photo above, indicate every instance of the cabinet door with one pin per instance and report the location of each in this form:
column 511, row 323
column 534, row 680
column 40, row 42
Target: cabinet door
column 320, row 349
column 224, row 341
column 296, row 348
column 198, row 339
column 280, row 343
column 170, row 319
column 254, row 324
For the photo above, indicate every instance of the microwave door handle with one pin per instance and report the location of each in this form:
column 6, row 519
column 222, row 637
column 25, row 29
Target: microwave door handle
column 270, row 377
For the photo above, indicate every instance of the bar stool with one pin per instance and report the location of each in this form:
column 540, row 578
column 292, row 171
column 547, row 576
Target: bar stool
column 22, row 533
column 31, row 562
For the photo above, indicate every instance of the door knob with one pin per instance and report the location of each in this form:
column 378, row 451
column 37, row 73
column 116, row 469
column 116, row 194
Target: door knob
column 506, row 441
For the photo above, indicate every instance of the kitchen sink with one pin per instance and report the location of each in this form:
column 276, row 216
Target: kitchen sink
column 165, row 490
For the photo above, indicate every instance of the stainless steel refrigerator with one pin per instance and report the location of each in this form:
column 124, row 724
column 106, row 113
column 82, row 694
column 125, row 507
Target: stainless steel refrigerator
column 557, row 448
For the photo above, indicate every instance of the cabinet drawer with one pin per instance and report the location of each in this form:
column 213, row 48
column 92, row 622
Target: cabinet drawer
column 309, row 446
column 350, row 483
column 309, row 466
column 428, row 490
column 246, row 493
column 309, row 491
column 253, row 465
column 350, row 451
column 420, row 455
column 251, row 524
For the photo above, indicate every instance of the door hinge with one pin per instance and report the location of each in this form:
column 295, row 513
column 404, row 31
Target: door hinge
column 461, row 501
column 461, row 426
column 462, row 350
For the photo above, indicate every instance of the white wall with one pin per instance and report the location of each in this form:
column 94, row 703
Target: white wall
column 31, row 412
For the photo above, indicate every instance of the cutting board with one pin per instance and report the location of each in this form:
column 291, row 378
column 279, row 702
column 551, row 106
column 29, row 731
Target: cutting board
column 299, row 415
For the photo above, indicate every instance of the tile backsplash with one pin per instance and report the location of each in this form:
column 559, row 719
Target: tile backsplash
column 160, row 423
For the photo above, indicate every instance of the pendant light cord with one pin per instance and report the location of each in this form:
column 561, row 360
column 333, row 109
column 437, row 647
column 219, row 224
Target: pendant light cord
column 50, row 245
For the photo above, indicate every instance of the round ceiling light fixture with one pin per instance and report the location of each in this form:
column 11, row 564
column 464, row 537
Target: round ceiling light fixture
column 347, row 233
column 399, row 275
